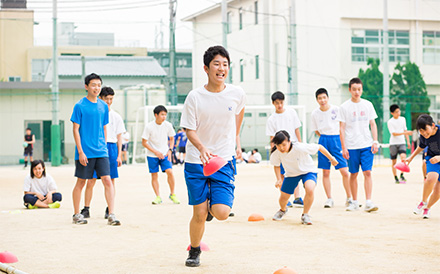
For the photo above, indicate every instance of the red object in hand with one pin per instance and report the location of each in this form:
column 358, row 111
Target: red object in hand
column 402, row 167
column 8, row 258
column 214, row 164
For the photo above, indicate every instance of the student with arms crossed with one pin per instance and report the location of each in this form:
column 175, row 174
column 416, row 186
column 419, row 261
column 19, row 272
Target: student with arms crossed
column 212, row 116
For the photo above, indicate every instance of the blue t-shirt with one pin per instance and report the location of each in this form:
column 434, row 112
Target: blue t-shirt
column 183, row 139
column 432, row 143
column 91, row 118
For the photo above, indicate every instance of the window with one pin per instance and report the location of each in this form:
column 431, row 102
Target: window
column 368, row 43
column 256, row 12
column 257, row 67
column 240, row 18
column 241, row 70
column 431, row 47
column 228, row 21
column 14, row 79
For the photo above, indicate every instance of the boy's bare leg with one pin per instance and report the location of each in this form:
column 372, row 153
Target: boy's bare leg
column 346, row 181
column 368, row 184
column 326, row 183
column 171, row 181
column 197, row 223
column 155, row 183
column 309, row 196
column 296, row 193
column 284, row 197
column 435, row 196
column 428, row 186
column 220, row 211
column 109, row 193
column 354, row 185
column 393, row 162
column 88, row 194
column 76, row 194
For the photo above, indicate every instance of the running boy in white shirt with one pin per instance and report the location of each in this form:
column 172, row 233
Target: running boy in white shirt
column 398, row 134
column 212, row 116
column 155, row 140
column 359, row 144
column 284, row 119
column 115, row 128
column 298, row 165
column 325, row 123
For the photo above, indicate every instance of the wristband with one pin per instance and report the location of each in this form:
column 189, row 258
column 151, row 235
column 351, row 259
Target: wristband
column 375, row 142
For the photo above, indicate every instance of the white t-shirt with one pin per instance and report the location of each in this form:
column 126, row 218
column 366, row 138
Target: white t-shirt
column 357, row 117
column 298, row 160
column 325, row 122
column 212, row 115
column 288, row 121
column 157, row 136
column 126, row 137
column 115, row 126
column 256, row 155
column 397, row 126
column 42, row 185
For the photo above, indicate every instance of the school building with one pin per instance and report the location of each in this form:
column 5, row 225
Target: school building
column 333, row 41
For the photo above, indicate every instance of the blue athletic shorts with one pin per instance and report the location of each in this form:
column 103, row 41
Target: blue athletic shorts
column 290, row 183
column 333, row 144
column 363, row 157
column 282, row 169
column 432, row 167
column 218, row 188
column 113, row 161
column 100, row 165
column 154, row 163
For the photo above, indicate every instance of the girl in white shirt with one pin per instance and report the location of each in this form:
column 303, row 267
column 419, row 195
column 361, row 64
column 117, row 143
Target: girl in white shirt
column 298, row 165
column 40, row 189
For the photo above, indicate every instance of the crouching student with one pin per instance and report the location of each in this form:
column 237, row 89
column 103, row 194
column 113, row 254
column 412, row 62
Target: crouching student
column 40, row 189
column 298, row 165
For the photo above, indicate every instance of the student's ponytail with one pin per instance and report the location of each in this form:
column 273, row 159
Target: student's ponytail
column 279, row 138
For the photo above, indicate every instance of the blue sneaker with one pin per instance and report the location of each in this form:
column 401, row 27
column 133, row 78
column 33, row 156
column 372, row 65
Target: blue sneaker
column 298, row 202
column 289, row 204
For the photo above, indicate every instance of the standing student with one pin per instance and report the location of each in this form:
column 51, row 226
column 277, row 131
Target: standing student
column 398, row 134
column 430, row 140
column 40, row 190
column 325, row 123
column 181, row 143
column 284, row 119
column 115, row 128
column 29, row 139
column 299, row 166
column 359, row 144
column 124, row 149
column 155, row 140
column 212, row 116
column 90, row 118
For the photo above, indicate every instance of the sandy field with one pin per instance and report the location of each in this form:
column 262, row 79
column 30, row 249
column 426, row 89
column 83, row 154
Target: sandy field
column 154, row 238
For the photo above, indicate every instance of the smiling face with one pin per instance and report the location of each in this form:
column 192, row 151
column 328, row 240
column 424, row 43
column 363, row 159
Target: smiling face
column 396, row 113
column 108, row 99
column 356, row 92
column 429, row 131
column 38, row 171
column 284, row 146
column 94, row 87
column 322, row 99
column 218, row 70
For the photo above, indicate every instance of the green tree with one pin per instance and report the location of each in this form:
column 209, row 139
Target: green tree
column 372, row 80
column 408, row 87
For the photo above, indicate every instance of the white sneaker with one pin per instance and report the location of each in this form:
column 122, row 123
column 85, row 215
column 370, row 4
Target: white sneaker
column 426, row 213
column 348, row 201
column 370, row 207
column 353, row 206
column 305, row 219
column 279, row 215
column 419, row 209
column 329, row 203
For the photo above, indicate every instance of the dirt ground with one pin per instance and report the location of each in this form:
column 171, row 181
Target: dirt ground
column 154, row 238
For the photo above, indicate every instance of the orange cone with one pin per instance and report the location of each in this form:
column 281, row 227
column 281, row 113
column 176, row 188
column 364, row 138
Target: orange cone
column 285, row 270
column 255, row 217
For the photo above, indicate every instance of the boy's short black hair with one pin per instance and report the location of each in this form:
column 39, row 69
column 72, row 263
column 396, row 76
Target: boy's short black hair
column 105, row 91
column 277, row 95
column 355, row 80
column 424, row 120
column 159, row 109
column 393, row 108
column 256, row 149
column 321, row 91
column 91, row 77
column 212, row 52
column 36, row 163
column 29, row 129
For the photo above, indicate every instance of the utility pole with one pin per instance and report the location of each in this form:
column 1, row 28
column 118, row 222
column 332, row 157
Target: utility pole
column 386, row 80
column 172, row 51
column 55, row 128
column 293, row 74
